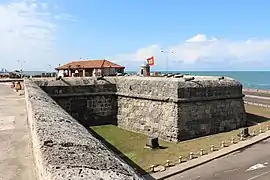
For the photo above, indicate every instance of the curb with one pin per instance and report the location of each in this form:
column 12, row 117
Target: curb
column 207, row 158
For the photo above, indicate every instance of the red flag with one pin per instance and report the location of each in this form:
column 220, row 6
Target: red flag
column 150, row 61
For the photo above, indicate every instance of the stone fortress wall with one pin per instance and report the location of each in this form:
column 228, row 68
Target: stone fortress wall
column 175, row 110
column 91, row 102
column 63, row 149
column 169, row 108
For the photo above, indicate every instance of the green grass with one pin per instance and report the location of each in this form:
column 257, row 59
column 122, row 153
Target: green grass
column 132, row 144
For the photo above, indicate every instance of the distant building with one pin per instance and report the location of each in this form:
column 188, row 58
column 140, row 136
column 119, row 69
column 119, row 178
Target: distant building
column 3, row 70
column 89, row 68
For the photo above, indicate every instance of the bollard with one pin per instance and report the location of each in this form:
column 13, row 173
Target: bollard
column 180, row 159
column 241, row 138
column 201, row 152
column 152, row 168
column 191, row 155
column 232, row 141
column 168, row 163
column 261, row 130
column 212, row 148
column 223, row 144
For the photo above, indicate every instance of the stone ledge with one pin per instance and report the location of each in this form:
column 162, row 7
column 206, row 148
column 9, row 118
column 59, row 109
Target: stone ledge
column 177, row 100
column 83, row 94
column 147, row 97
column 155, row 88
column 63, row 148
column 209, row 157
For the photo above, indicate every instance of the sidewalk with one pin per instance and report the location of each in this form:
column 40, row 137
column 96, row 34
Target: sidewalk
column 16, row 161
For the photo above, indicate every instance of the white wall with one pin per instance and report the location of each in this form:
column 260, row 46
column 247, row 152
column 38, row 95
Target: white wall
column 60, row 73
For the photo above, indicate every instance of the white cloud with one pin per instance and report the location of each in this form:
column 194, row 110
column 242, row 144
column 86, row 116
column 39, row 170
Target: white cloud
column 200, row 38
column 201, row 50
column 27, row 33
column 64, row 17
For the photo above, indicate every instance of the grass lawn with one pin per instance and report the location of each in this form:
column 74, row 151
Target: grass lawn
column 132, row 144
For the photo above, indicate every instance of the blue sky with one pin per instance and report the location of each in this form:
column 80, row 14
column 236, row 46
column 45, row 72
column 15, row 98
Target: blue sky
column 196, row 35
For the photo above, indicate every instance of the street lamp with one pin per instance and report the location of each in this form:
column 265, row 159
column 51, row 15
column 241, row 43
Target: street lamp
column 52, row 71
column 166, row 58
column 21, row 62
column 51, row 68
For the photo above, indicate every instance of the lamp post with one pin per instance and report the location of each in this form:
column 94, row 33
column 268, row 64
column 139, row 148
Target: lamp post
column 166, row 52
column 52, row 73
column 21, row 63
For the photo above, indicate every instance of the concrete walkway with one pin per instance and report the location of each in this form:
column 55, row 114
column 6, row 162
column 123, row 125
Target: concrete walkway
column 16, row 162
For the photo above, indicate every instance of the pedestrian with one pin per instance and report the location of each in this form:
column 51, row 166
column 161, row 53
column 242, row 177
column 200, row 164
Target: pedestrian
column 18, row 86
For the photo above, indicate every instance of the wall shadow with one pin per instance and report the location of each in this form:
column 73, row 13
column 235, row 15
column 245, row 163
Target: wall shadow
column 137, row 168
column 253, row 119
column 65, row 81
column 103, row 79
column 89, row 110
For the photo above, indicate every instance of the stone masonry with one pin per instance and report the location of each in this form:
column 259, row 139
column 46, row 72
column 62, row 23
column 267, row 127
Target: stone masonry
column 91, row 105
column 170, row 108
column 63, row 149
column 175, row 110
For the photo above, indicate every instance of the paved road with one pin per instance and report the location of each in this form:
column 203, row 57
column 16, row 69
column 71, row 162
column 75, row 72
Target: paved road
column 257, row 97
column 250, row 164
column 264, row 94
column 16, row 162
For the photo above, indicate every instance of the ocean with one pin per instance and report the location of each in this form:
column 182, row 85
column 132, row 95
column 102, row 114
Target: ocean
column 249, row 79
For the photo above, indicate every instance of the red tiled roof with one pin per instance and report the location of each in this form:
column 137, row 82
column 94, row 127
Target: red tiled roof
column 89, row 64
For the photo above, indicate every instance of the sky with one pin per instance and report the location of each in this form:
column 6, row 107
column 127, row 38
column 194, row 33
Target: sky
column 181, row 35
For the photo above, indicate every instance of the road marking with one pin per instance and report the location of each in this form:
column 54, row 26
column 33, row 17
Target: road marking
column 231, row 170
column 254, row 177
column 257, row 166
column 226, row 171
column 7, row 123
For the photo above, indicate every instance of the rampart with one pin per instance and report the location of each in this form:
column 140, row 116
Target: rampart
column 171, row 108
column 63, row 148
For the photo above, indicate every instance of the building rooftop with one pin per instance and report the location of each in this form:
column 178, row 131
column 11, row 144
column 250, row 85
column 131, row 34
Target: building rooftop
column 89, row 64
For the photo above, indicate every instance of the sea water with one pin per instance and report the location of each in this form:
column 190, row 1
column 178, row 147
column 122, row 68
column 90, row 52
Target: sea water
column 249, row 79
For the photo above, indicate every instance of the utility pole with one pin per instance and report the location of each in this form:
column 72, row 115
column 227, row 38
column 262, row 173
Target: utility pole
column 166, row 52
